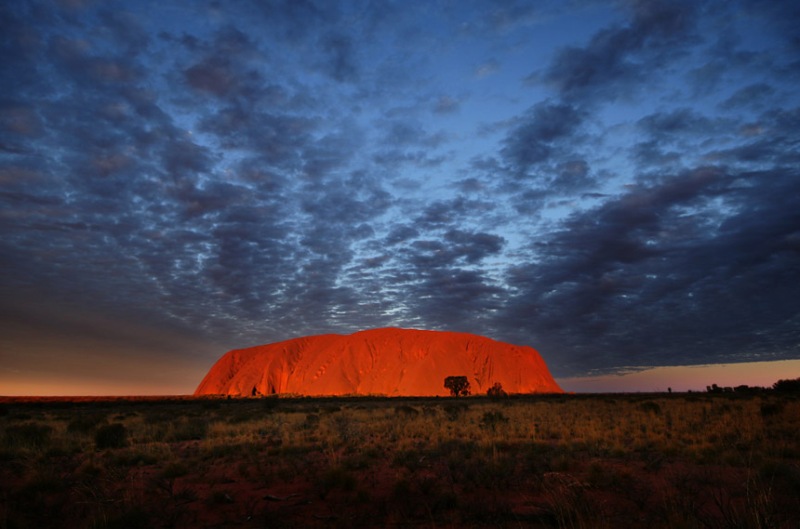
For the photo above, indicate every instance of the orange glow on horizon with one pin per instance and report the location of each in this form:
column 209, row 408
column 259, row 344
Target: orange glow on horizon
column 679, row 378
column 46, row 387
column 686, row 378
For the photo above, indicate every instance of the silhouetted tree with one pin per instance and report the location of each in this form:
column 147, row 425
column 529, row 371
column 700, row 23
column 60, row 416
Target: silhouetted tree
column 496, row 391
column 787, row 386
column 458, row 386
column 744, row 388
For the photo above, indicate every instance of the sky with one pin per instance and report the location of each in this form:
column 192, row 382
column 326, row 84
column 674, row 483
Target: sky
column 614, row 183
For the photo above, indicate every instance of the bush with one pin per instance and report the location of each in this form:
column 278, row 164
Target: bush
column 190, row 429
column 496, row 391
column 311, row 422
column 270, row 403
column 111, row 436
column 650, row 407
column 406, row 411
column 455, row 411
column 85, row 424
column 32, row 436
column 787, row 386
column 770, row 409
column 492, row 419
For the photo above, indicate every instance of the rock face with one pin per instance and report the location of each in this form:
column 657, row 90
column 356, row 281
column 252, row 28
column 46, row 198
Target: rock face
column 393, row 362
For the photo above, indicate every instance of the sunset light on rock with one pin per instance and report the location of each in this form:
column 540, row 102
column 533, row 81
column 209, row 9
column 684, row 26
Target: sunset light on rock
column 390, row 362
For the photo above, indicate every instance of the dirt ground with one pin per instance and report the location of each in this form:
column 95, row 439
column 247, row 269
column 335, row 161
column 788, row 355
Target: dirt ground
column 389, row 463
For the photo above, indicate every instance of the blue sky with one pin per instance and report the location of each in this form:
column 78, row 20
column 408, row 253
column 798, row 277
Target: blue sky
column 613, row 183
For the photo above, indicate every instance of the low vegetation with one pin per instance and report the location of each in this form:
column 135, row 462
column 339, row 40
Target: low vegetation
column 458, row 386
column 698, row 460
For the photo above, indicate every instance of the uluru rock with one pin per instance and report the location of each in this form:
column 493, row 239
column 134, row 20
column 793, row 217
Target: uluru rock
column 393, row 362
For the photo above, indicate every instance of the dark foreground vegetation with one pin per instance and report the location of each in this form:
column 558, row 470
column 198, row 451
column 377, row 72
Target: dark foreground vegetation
column 701, row 460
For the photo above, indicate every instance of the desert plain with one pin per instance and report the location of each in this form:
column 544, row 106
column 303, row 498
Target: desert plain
column 688, row 460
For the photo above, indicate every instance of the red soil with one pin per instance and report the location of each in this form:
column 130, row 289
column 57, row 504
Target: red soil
column 609, row 493
column 393, row 362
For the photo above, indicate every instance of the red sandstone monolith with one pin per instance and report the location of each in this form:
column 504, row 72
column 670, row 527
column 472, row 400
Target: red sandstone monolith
column 392, row 362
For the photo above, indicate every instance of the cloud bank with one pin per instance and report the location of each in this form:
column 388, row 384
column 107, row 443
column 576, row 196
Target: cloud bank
column 614, row 184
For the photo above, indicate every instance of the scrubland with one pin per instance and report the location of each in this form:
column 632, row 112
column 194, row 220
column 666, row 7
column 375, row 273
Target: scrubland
column 561, row 461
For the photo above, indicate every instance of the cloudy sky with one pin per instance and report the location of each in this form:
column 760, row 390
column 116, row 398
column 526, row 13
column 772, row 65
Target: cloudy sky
column 615, row 183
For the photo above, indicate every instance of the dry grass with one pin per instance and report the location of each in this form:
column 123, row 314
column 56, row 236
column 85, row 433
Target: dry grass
column 697, row 460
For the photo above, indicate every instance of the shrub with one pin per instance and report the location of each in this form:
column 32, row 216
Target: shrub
column 769, row 409
column 346, row 428
column 85, row 423
column 31, row 436
column 311, row 422
column 406, row 411
column 190, row 429
column 496, row 391
column 787, row 386
column 650, row 407
column 455, row 411
column 270, row 403
column 111, row 436
column 492, row 419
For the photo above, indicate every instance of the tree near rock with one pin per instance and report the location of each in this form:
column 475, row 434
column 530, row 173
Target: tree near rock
column 458, row 385
column 496, row 391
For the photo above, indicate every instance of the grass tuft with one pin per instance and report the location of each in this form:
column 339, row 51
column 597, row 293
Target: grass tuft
column 111, row 436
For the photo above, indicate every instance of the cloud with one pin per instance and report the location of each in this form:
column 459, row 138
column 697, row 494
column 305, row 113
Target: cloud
column 542, row 157
column 406, row 141
column 212, row 75
column 442, row 213
column 676, row 122
column 298, row 19
column 767, row 140
column 618, row 59
column 19, row 119
column 456, row 246
column 266, row 170
column 446, row 105
column 340, row 53
column 755, row 94
column 663, row 271
column 401, row 233
column 474, row 247
column 668, row 134
column 539, row 134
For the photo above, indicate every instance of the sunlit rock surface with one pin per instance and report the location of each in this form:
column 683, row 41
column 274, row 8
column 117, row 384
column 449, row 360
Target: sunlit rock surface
column 393, row 362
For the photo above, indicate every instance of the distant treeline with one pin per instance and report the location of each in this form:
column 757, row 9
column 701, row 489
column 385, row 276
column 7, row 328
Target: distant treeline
column 781, row 386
